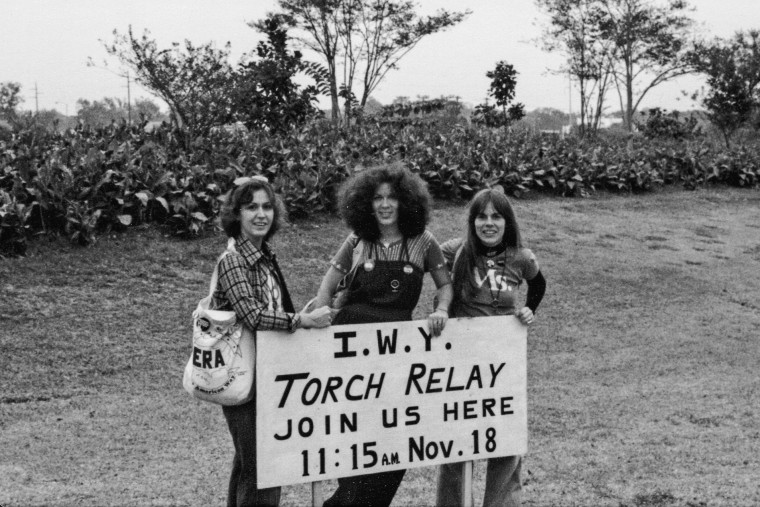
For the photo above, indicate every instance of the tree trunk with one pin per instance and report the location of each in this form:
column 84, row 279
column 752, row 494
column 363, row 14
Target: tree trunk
column 329, row 53
column 584, row 127
column 334, row 99
column 629, row 91
column 629, row 103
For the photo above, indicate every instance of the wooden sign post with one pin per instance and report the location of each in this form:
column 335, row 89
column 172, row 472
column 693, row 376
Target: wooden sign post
column 357, row 399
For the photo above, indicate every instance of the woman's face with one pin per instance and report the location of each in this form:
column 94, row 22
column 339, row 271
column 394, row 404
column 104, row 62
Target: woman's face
column 489, row 226
column 385, row 205
column 256, row 217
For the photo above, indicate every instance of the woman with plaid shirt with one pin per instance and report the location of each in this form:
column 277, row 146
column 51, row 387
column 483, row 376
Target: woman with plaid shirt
column 251, row 285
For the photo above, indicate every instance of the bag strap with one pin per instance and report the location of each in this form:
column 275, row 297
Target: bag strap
column 356, row 256
column 348, row 279
column 215, row 275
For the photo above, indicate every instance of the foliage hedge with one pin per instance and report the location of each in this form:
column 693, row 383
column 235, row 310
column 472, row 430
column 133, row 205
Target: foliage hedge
column 88, row 181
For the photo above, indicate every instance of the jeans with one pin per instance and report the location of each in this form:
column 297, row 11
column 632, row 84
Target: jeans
column 503, row 485
column 243, row 490
column 372, row 490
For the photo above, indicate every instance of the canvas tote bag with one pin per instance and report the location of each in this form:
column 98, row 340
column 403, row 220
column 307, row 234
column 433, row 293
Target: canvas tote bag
column 221, row 366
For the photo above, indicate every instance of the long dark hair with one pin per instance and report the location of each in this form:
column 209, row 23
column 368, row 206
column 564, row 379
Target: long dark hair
column 243, row 195
column 465, row 261
column 356, row 195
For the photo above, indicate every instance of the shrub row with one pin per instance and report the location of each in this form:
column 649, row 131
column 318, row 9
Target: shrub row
column 85, row 182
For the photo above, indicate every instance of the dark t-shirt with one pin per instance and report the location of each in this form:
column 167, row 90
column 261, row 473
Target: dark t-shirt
column 500, row 280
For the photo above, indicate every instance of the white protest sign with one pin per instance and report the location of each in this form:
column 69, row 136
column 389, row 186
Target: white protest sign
column 357, row 399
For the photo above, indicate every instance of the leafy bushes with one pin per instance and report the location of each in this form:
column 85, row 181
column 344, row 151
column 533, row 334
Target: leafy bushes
column 87, row 182
column 661, row 125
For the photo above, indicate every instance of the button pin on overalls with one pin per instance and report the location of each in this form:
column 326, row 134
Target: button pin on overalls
column 369, row 265
column 408, row 269
column 395, row 284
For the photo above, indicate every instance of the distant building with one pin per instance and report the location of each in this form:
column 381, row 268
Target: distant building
column 152, row 125
column 606, row 122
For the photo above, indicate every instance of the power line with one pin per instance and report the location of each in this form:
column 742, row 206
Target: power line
column 126, row 75
column 65, row 105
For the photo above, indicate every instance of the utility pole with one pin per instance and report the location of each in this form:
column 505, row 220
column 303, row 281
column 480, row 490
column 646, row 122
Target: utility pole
column 36, row 100
column 129, row 102
column 569, row 102
column 126, row 75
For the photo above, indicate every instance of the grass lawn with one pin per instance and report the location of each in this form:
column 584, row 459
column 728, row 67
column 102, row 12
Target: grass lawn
column 643, row 364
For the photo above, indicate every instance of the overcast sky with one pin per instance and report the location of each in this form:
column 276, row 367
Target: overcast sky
column 46, row 43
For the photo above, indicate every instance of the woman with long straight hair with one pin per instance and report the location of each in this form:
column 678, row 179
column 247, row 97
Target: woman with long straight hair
column 488, row 266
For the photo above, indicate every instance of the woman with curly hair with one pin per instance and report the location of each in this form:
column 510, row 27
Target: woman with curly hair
column 488, row 266
column 382, row 263
column 251, row 284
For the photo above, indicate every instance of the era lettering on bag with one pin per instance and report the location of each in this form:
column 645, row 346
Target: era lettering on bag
column 203, row 358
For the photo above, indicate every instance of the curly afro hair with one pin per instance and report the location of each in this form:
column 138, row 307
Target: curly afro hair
column 357, row 193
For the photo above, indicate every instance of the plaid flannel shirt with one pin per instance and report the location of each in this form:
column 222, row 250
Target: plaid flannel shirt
column 247, row 285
